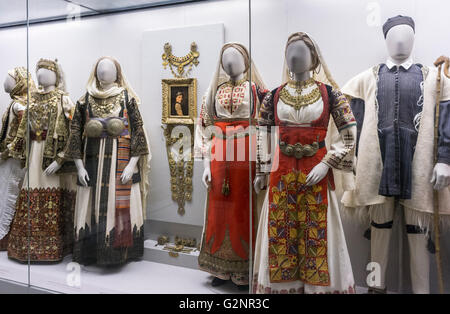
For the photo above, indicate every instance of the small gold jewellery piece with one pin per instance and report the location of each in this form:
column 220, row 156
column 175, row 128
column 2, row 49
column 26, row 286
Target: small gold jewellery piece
column 180, row 63
column 300, row 100
column 102, row 108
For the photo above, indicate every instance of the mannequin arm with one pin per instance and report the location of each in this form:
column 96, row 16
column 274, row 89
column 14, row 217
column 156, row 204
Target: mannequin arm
column 441, row 176
column 127, row 173
column 264, row 141
column 206, row 178
column 83, row 176
column 54, row 166
column 260, row 182
column 317, row 174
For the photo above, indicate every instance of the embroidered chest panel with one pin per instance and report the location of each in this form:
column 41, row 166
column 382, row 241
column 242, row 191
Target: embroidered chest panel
column 230, row 97
column 43, row 106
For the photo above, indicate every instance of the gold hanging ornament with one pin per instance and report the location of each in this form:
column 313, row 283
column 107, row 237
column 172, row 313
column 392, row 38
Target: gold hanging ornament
column 180, row 63
column 181, row 164
column 181, row 170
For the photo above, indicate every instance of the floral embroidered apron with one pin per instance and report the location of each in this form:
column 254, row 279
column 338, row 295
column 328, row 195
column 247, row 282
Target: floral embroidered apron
column 298, row 213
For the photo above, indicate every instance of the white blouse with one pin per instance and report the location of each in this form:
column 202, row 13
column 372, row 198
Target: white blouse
column 233, row 102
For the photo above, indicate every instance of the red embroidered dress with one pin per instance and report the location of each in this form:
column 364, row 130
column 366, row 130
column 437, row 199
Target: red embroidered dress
column 300, row 245
column 225, row 244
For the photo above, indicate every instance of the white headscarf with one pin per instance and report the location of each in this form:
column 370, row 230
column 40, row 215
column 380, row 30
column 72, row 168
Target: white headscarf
column 94, row 89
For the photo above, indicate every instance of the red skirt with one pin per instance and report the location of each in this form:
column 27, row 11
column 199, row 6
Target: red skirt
column 225, row 247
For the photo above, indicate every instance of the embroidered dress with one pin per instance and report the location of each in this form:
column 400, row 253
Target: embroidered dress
column 109, row 221
column 11, row 170
column 225, row 244
column 51, row 197
column 300, row 247
column 228, row 107
column 106, row 132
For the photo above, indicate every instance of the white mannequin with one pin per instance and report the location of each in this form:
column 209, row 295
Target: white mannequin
column 400, row 42
column 234, row 65
column 299, row 62
column 107, row 76
column 9, row 83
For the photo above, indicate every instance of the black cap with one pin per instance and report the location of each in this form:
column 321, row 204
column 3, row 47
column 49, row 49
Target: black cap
column 398, row 20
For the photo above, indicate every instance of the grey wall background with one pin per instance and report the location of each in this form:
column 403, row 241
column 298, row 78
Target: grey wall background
column 348, row 32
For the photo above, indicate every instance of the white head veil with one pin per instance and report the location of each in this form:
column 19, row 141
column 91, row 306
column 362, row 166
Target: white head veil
column 220, row 76
column 321, row 73
column 94, row 89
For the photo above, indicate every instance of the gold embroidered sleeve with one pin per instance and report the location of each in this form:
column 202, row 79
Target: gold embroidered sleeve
column 138, row 140
column 17, row 147
column 341, row 110
column 74, row 145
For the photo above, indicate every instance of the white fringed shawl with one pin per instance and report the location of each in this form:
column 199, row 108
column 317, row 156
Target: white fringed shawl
column 369, row 164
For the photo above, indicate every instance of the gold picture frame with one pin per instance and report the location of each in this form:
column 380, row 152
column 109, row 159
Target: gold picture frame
column 179, row 101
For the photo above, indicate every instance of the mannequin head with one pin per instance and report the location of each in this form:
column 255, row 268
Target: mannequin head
column 301, row 55
column 9, row 83
column 233, row 62
column 298, row 57
column 46, row 78
column 106, row 72
column 400, row 42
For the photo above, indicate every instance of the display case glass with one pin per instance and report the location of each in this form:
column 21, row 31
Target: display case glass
column 224, row 146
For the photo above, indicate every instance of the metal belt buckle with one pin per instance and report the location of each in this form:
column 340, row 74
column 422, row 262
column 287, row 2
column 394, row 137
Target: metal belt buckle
column 299, row 150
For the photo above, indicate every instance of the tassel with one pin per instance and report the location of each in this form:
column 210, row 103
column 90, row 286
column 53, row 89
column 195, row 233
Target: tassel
column 368, row 234
column 226, row 187
column 430, row 246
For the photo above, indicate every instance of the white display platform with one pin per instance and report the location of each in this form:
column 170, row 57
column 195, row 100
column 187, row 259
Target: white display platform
column 141, row 277
column 156, row 253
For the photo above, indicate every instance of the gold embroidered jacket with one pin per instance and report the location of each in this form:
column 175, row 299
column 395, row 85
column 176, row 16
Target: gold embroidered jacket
column 58, row 107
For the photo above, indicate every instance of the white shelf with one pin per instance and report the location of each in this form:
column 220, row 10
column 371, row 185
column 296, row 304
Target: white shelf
column 136, row 277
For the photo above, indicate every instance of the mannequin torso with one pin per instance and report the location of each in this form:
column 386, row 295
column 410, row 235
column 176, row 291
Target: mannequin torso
column 107, row 76
column 400, row 43
column 234, row 65
column 299, row 62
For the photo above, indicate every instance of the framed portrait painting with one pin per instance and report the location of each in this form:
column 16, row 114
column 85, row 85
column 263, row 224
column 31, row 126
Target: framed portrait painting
column 179, row 101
